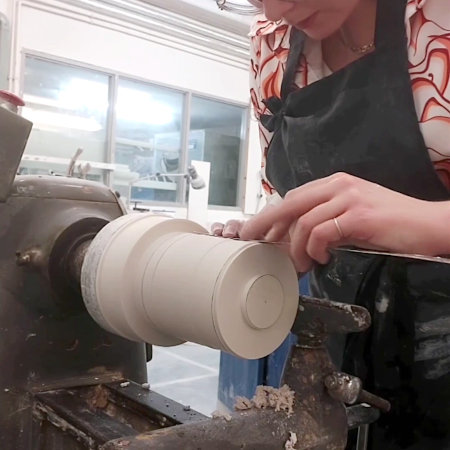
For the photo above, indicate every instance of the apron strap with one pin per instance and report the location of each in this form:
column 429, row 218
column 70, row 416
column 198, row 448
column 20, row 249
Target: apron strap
column 390, row 14
column 296, row 45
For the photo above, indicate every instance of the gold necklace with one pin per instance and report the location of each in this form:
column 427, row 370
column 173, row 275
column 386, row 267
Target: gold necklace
column 359, row 50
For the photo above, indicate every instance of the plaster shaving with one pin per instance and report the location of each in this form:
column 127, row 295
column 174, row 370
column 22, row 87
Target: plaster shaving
column 291, row 442
column 280, row 399
column 242, row 403
column 382, row 305
column 221, row 415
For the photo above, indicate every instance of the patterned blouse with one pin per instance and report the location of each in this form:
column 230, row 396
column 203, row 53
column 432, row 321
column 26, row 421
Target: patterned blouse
column 428, row 32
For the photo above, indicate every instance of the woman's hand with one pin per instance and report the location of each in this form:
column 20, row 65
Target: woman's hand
column 368, row 216
column 230, row 229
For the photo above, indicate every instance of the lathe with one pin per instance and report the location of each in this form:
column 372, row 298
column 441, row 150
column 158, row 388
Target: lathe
column 83, row 287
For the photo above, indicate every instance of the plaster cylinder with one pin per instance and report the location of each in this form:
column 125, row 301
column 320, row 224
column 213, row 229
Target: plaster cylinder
column 166, row 281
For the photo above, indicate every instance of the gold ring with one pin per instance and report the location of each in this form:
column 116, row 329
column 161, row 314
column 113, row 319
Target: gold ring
column 341, row 234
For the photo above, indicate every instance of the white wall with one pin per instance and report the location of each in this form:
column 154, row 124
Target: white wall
column 6, row 7
column 152, row 53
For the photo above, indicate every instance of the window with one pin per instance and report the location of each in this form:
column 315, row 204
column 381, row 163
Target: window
column 148, row 142
column 216, row 136
column 136, row 136
column 69, row 109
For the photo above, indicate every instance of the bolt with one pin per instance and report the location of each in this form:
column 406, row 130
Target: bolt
column 374, row 400
column 23, row 259
column 348, row 389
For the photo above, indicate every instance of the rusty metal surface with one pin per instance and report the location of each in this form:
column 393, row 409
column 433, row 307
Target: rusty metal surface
column 318, row 318
column 69, row 412
column 253, row 430
column 127, row 409
column 75, row 258
column 358, row 415
column 305, row 373
column 164, row 411
column 94, row 415
column 319, row 421
column 66, row 258
column 47, row 340
column 55, row 187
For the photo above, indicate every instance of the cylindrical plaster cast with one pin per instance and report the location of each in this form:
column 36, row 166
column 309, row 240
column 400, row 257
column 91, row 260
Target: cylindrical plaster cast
column 166, row 281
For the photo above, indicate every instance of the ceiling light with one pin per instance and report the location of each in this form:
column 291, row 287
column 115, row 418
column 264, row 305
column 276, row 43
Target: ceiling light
column 50, row 120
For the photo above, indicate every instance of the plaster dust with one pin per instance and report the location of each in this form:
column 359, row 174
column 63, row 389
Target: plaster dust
column 98, row 398
column 291, row 442
column 280, row 399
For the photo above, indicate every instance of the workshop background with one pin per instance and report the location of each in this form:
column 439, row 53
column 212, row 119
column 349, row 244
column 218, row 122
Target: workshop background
column 143, row 88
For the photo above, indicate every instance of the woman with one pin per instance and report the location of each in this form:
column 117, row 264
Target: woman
column 354, row 101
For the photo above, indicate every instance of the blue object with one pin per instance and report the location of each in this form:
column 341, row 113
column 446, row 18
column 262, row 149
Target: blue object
column 240, row 377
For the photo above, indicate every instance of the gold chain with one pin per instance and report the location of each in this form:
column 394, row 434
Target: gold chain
column 359, row 50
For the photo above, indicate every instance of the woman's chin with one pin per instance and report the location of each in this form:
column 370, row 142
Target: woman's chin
column 317, row 35
column 318, row 28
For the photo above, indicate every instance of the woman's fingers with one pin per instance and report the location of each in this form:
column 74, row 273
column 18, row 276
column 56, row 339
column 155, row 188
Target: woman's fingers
column 217, row 228
column 325, row 236
column 232, row 229
column 308, row 224
column 335, row 231
column 273, row 223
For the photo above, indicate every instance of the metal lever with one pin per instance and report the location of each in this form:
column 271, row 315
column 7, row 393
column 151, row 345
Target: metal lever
column 348, row 389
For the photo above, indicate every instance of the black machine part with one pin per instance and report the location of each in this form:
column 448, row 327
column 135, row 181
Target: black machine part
column 47, row 338
column 14, row 132
column 127, row 415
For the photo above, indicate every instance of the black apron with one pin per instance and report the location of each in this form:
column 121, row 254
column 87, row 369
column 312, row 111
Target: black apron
column 362, row 120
